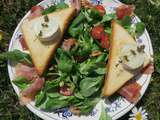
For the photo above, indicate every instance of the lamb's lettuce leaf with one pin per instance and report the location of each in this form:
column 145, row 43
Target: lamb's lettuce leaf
column 140, row 27
column 16, row 56
column 90, row 85
column 53, row 8
column 108, row 17
column 21, row 82
column 104, row 115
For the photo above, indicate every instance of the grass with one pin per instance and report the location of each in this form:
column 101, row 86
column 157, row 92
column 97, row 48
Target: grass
column 11, row 12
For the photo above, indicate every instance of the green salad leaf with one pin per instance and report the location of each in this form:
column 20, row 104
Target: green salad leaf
column 90, row 85
column 75, row 78
column 140, row 27
column 93, row 64
column 40, row 98
column 16, row 56
column 85, row 44
column 75, row 31
column 134, row 29
column 76, row 27
column 53, row 95
column 65, row 64
column 51, row 84
column 53, row 8
column 79, row 95
column 21, row 82
column 59, row 102
column 108, row 17
column 87, row 105
column 92, row 16
column 61, row 5
column 126, row 21
column 49, row 10
column 108, row 30
column 87, row 67
column 87, row 16
column 104, row 115
column 52, row 104
column 100, row 70
column 80, row 18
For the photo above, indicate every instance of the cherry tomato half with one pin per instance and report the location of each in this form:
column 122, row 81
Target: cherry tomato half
column 105, row 41
column 124, row 10
column 97, row 32
column 100, row 9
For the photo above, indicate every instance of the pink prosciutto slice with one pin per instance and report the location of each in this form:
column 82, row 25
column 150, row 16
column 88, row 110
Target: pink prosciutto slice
column 148, row 70
column 131, row 91
column 68, row 44
column 26, row 71
column 29, row 73
column 36, row 11
column 76, row 4
column 23, row 43
column 29, row 94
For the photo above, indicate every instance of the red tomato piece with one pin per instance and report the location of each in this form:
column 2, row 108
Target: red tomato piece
column 23, row 43
column 124, row 10
column 105, row 41
column 100, row 9
column 66, row 91
column 97, row 32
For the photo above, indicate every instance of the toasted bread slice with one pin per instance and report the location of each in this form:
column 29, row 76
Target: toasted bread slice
column 117, row 75
column 42, row 52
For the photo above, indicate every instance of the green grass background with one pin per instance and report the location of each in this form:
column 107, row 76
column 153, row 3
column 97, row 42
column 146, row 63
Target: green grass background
column 11, row 12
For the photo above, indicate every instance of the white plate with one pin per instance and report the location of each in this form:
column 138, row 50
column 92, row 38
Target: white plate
column 116, row 107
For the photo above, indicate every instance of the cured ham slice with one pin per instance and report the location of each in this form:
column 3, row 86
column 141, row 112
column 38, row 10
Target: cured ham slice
column 76, row 4
column 36, row 11
column 29, row 94
column 29, row 73
column 131, row 91
column 26, row 71
column 23, row 43
column 68, row 44
column 148, row 70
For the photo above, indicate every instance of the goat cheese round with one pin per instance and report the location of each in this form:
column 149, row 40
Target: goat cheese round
column 131, row 58
column 46, row 28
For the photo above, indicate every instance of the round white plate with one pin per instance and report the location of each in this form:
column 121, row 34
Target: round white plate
column 115, row 107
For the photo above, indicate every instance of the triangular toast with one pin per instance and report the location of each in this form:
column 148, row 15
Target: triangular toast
column 41, row 53
column 116, row 75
